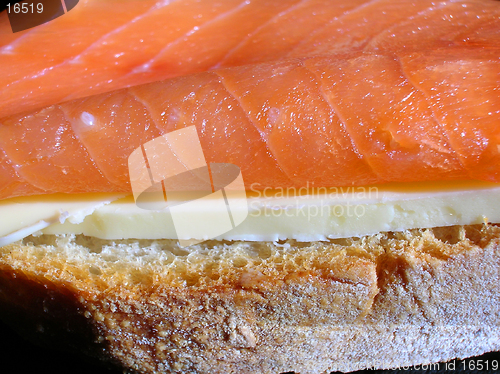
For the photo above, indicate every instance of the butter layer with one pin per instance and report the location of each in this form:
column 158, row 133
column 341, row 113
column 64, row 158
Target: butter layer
column 332, row 213
column 23, row 216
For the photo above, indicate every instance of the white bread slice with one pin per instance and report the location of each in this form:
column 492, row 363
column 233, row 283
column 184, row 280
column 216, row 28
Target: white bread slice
column 387, row 300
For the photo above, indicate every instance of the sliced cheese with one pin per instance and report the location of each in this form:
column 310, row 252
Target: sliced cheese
column 273, row 215
column 23, row 216
column 309, row 216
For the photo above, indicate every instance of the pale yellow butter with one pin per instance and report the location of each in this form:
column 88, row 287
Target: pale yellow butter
column 332, row 213
column 23, row 216
column 310, row 216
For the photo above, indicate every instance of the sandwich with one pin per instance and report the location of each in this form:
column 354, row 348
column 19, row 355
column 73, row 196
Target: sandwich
column 312, row 199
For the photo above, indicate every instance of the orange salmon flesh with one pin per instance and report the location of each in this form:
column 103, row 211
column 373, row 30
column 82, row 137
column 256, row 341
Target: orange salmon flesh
column 295, row 93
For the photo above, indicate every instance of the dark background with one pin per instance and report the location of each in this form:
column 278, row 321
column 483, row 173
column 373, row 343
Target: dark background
column 70, row 4
column 33, row 17
column 29, row 358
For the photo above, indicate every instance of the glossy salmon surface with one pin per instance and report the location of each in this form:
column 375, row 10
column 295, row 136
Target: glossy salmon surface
column 102, row 46
column 362, row 92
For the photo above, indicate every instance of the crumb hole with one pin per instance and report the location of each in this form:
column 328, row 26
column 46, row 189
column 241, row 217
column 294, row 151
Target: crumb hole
column 239, row 262
column 449, row 235
column 94, row 270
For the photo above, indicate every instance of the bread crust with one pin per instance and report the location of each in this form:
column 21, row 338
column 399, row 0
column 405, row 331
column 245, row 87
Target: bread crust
column 383, row 301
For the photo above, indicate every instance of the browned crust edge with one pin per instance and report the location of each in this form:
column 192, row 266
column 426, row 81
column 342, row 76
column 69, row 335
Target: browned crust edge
column 384, row 301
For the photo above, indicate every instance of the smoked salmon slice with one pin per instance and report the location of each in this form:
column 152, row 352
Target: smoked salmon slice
column 101, row 46
column 352, row 118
